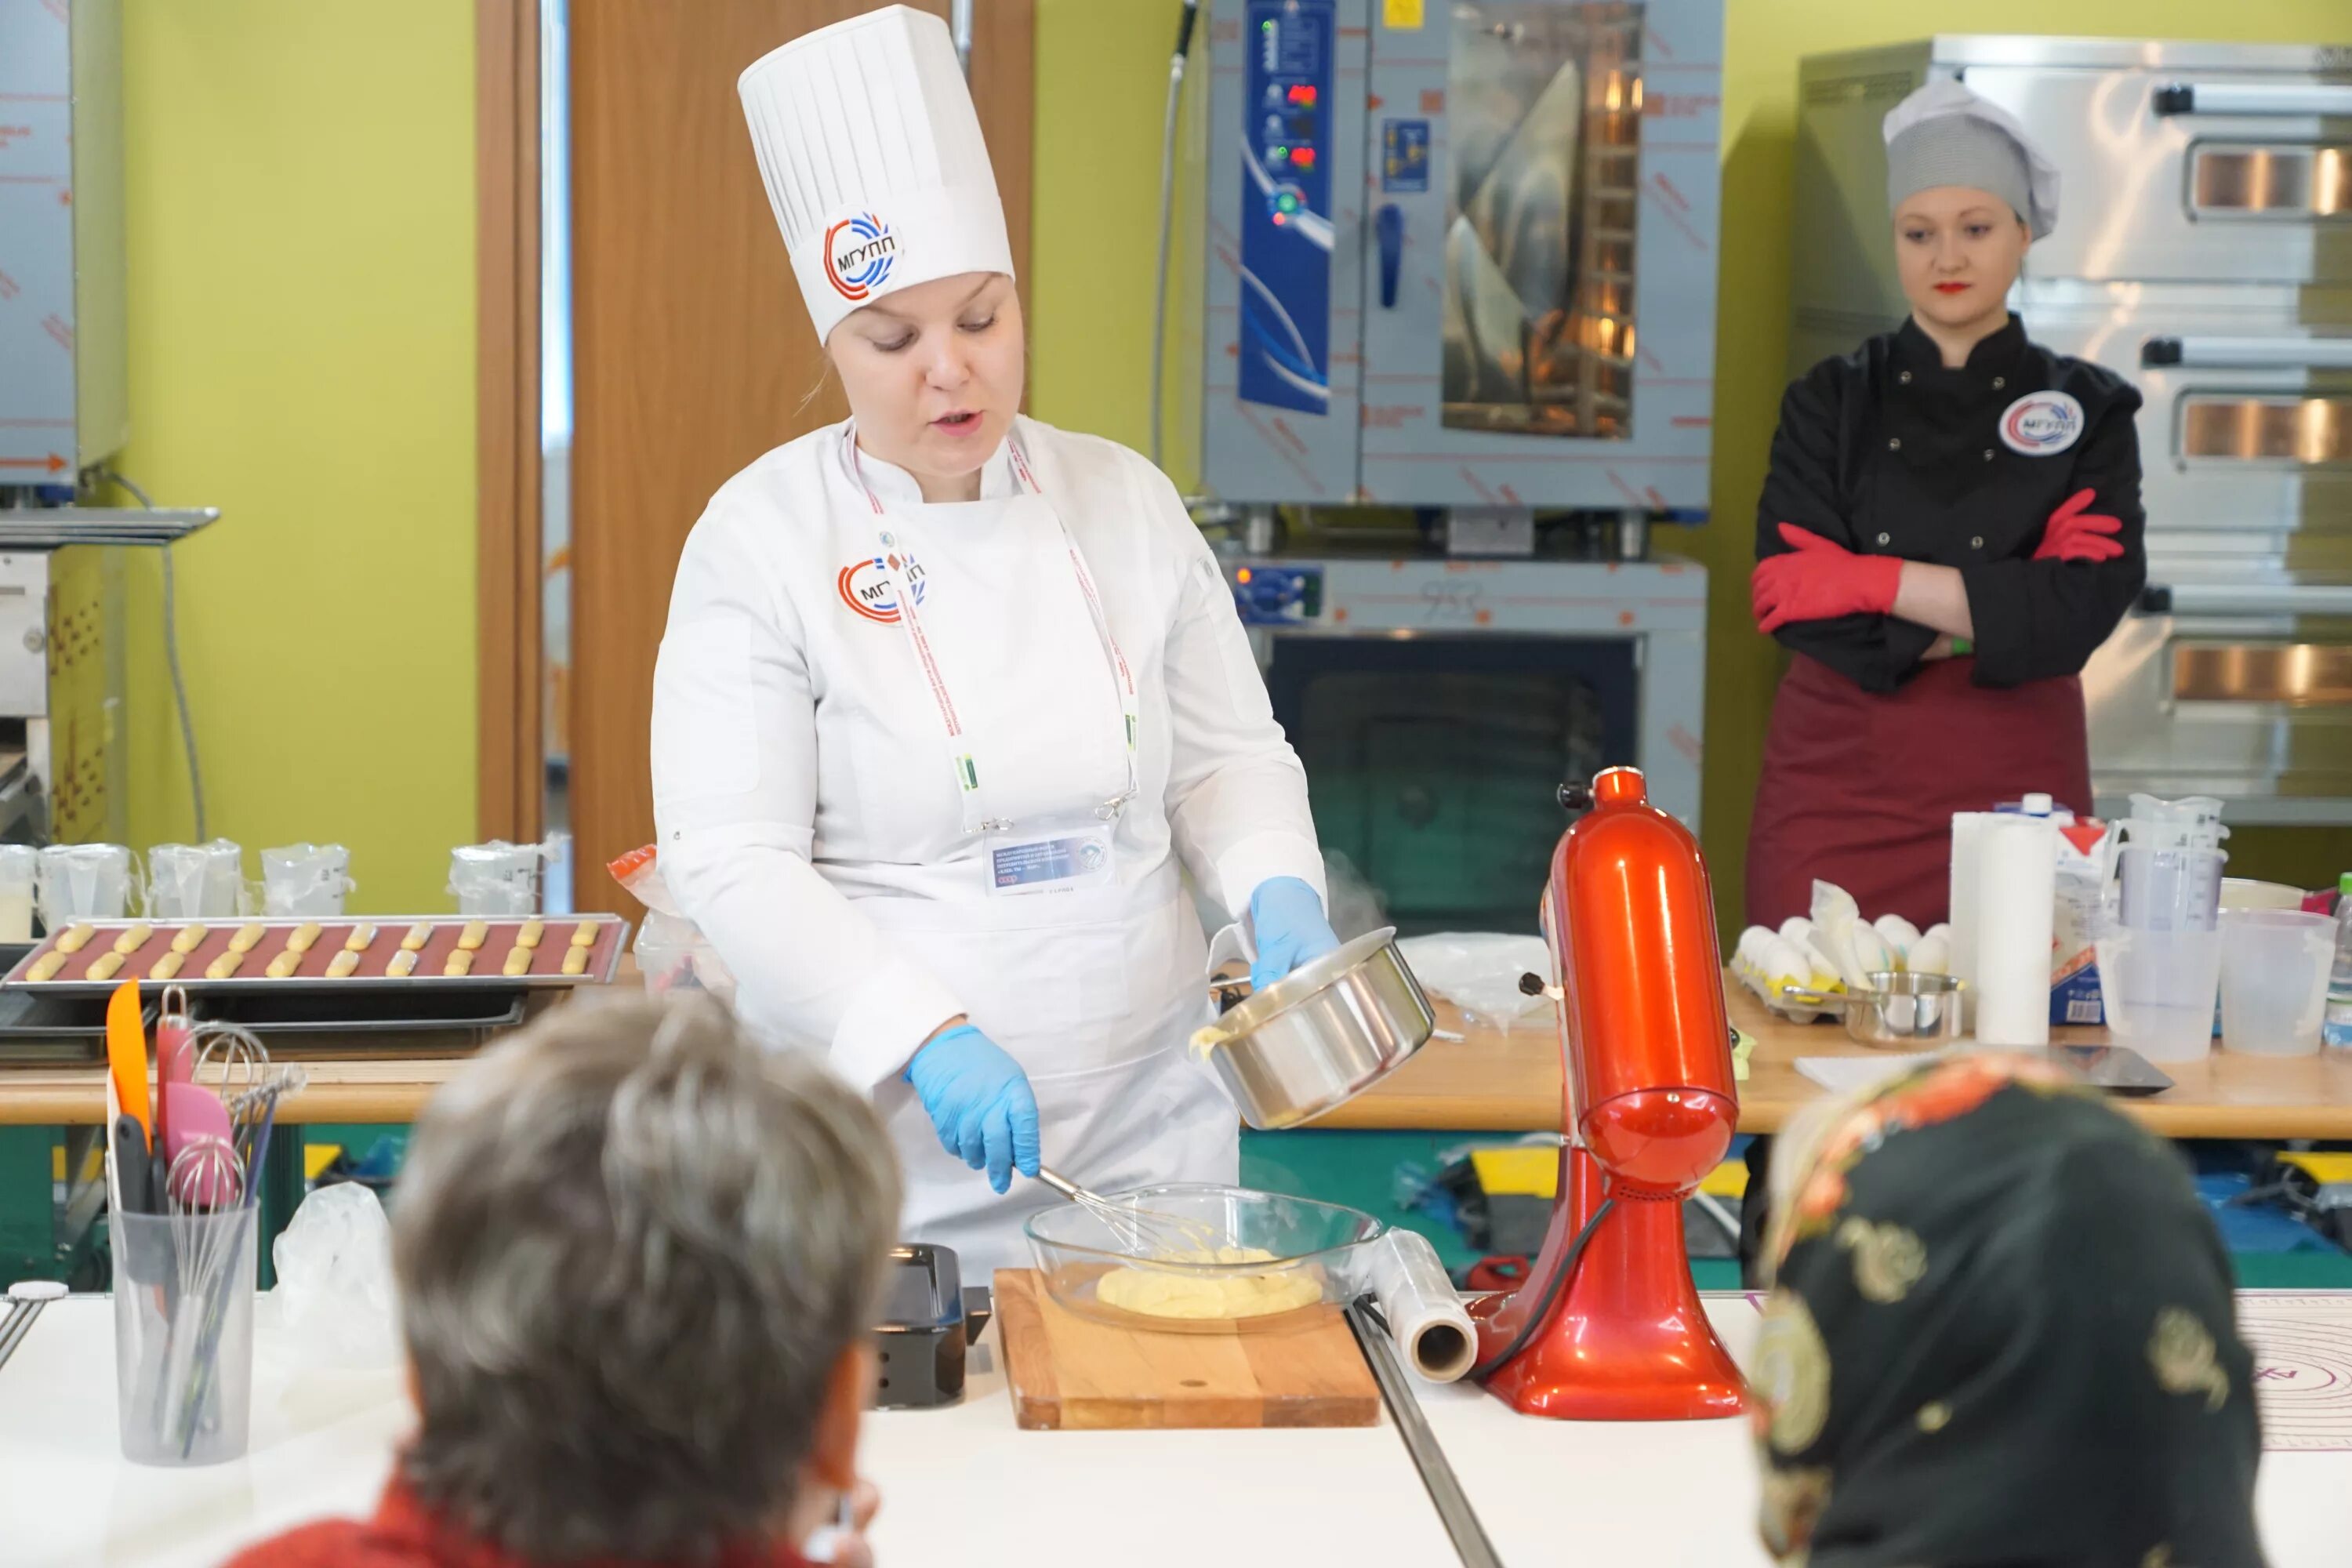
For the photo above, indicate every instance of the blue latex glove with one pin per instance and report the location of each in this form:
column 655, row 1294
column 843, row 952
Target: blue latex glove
column 979, row 1103
column 1286, row 919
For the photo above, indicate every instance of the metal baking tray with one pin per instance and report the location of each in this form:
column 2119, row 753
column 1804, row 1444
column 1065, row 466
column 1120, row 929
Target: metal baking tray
column 604, row 960
column 929, row 1319
column 40, row 1027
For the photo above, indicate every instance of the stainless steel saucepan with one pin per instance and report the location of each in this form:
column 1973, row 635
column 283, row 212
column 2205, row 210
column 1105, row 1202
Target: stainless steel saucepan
column 1322, row 1035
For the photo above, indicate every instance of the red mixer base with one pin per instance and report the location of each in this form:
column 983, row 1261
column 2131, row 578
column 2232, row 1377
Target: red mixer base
column 1628, row 1341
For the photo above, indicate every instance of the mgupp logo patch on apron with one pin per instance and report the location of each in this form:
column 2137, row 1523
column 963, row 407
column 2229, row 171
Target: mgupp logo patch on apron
column 865, row 587
column 2041, row 423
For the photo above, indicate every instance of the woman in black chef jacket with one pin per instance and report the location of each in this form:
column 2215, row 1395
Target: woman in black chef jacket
column 1950, row 527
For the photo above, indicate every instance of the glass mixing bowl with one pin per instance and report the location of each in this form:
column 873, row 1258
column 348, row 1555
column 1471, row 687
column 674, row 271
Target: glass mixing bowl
column 1296, row 1272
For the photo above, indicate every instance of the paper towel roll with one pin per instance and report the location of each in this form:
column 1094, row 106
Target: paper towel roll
column 1425, row 1317
column 2016, row 890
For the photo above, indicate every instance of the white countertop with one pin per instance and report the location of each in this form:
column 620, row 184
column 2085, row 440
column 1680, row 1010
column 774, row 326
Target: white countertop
column 1663, row 1493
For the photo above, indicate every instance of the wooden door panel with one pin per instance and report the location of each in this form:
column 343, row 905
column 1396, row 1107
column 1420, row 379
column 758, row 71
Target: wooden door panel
column 691, row 351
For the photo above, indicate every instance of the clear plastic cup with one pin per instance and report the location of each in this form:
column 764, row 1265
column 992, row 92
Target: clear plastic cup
column 305, row 881
column 183, row 1335
column 82, row 882
column 2159, row 989
column 495, row 879
column 195, row 881
column 2170, row 889
column 2274, row 968
column 18, row 866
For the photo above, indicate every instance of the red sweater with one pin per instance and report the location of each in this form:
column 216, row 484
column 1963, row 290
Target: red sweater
column 404, row 1534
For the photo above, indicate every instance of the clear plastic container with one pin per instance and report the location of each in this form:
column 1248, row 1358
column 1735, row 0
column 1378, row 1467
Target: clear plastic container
column 83, row 882
column 18, row 866
column 183, row 1336
column 2159, row 989
column 2274, row 979
column 2163, row 889
column 195, row 881
column 1306, row 1246
column 495, row 879
column 304, row 881
column 2337, row 1029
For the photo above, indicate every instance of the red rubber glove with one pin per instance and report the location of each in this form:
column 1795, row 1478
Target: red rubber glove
column 1818, row 581
column 2075, row 534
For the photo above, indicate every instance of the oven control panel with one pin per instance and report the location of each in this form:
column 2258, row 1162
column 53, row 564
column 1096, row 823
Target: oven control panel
column 1272, row 595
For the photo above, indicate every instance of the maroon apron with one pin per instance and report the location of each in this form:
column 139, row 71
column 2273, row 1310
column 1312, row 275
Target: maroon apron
column 1859, row 787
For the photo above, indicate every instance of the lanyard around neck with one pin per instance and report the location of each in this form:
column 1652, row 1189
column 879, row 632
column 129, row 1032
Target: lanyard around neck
column 892, row 563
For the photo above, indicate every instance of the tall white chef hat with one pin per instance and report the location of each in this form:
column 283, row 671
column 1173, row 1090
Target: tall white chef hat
column 872, row 155
column 1945, row 134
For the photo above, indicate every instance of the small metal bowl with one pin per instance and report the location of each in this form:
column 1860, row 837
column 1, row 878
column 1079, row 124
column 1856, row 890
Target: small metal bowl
column 1900, row 1009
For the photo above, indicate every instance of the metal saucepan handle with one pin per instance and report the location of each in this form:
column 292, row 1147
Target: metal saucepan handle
column 2252, row 98
column 2206, row 352
column 2246, row 599
column 1819, row 1000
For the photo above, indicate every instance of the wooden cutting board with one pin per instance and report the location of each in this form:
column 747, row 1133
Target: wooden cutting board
column 1070, row 1374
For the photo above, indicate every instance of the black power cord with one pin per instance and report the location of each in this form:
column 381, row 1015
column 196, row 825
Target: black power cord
column 1552, row 1287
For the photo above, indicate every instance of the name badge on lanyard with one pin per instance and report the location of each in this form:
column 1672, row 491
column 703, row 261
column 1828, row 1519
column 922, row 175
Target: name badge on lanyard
column 1051, row 852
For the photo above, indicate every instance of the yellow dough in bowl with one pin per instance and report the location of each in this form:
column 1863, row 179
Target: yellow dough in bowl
column 1177, row 1293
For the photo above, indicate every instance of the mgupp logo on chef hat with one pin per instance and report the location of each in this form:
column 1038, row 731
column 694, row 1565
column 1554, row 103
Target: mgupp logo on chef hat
column 872, row 156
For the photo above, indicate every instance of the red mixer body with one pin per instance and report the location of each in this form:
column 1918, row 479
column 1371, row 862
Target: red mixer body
column 1651, row 1106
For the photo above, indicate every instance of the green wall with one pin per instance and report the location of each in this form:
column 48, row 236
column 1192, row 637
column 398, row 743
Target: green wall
column 1102, row 67
column 300, row 214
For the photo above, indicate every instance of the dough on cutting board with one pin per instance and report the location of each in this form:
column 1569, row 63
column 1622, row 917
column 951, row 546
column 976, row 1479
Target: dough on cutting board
column 1152, row 1292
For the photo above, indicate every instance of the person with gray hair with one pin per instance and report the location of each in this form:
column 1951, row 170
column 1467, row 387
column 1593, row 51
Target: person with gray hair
column 638, row 1260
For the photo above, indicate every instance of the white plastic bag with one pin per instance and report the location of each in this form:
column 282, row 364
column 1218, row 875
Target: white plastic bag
column 1479, row 972
column 335, row 1293
column 671, row 951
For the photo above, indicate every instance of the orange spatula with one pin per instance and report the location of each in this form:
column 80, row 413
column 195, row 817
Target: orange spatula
column 126, row 1054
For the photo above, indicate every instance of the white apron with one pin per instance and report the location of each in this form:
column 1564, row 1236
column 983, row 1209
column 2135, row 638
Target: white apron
column 1095, row 991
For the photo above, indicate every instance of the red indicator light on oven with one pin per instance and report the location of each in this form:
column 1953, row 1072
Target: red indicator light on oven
column 1302, row 96
column 1302, row 157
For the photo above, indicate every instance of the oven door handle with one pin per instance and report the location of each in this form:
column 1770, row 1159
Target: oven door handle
column 2246, row 599
column 2248, row 353
column 2255, row 100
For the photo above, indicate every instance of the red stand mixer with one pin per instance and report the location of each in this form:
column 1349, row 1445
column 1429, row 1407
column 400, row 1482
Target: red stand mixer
column 1608, row 1326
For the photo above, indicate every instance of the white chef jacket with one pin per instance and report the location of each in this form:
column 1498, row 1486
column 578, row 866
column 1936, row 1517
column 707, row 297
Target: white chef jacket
column 809, row 819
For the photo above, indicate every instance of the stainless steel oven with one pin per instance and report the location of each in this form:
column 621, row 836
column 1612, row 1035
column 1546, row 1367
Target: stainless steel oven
column 1438, row 704
column 2204, row 251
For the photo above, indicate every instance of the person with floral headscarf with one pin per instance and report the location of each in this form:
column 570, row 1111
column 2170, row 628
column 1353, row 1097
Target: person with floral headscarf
column 2000, row 1333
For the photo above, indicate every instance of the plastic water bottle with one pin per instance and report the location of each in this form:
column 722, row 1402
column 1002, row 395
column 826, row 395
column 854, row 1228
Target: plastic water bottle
column 2338, row 1030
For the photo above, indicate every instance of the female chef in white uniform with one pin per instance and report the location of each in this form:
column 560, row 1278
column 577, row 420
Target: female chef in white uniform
column 947, row 693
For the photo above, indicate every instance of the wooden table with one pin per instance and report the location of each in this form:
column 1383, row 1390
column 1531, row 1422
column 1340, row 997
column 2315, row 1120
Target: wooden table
column 1495, row 1083
column 1488, row 1082
column 357, row 1089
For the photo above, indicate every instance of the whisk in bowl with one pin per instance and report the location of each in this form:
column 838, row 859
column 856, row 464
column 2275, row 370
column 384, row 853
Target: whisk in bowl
column 1142, row 1232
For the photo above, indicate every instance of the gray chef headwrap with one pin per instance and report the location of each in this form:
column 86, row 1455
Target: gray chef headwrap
column 1945, row 134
